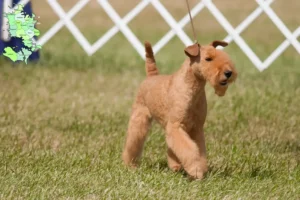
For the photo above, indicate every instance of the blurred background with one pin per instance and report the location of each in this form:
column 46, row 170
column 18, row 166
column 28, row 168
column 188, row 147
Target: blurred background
column 63, row 119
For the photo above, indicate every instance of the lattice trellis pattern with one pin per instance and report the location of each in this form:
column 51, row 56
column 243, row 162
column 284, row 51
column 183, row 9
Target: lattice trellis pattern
column 176, row 27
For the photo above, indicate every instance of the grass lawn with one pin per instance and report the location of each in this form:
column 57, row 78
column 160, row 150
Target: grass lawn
column 63, row 120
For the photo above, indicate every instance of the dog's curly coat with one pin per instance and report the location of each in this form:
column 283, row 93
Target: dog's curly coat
column 178, row 103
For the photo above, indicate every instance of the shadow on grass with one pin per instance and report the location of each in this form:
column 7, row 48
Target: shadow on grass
column 228, row 171
column 220, row 172
column 256, row 172
column 159, row 165
column 288, row 147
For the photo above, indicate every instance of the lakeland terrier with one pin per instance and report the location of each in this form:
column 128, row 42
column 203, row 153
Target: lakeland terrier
column 178, row 103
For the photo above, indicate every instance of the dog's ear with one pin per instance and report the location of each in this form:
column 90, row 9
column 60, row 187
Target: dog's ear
column 219, row 43
column 193, row 50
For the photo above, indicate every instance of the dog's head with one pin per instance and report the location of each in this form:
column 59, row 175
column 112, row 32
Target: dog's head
column 212, row 65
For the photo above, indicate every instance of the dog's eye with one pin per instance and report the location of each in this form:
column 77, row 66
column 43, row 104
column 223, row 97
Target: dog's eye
column 208, row 59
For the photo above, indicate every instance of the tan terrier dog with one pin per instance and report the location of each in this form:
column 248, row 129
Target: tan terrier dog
column 178, row 103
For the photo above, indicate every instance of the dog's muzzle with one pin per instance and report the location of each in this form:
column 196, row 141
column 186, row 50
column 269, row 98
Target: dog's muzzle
column 227, row 74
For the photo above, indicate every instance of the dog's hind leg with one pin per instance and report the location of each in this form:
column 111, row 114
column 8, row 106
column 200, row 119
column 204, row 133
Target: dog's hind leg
column 186, row 150
column 173, row 161
column 139, row 124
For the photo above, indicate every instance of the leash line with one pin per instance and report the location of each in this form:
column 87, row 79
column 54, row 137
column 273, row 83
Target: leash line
column 191, row 19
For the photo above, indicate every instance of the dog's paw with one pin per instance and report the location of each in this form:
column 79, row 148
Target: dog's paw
column 129, row 161
column 197, row 173
column 175, row 168
column 196, row 176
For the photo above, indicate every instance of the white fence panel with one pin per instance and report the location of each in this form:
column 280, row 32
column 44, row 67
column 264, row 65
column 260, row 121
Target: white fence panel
column 176, row 27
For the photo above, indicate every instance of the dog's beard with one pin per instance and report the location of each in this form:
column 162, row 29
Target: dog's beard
column 215, row 82
column 220, row 90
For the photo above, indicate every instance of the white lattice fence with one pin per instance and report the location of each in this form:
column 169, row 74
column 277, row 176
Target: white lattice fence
column 176, row 27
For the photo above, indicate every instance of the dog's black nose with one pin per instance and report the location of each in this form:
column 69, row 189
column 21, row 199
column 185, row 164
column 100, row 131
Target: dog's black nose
column 227, row 73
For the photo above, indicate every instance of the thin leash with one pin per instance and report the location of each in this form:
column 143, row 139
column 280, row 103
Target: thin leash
column 191, row 19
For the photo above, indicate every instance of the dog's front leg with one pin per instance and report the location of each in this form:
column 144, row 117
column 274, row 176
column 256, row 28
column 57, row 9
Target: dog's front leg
column 186, row 150
column 198, row 137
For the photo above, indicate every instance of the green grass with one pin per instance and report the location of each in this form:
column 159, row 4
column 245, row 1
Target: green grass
column 63, row 123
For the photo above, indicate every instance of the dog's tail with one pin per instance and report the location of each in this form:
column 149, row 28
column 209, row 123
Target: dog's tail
column 151, row 68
